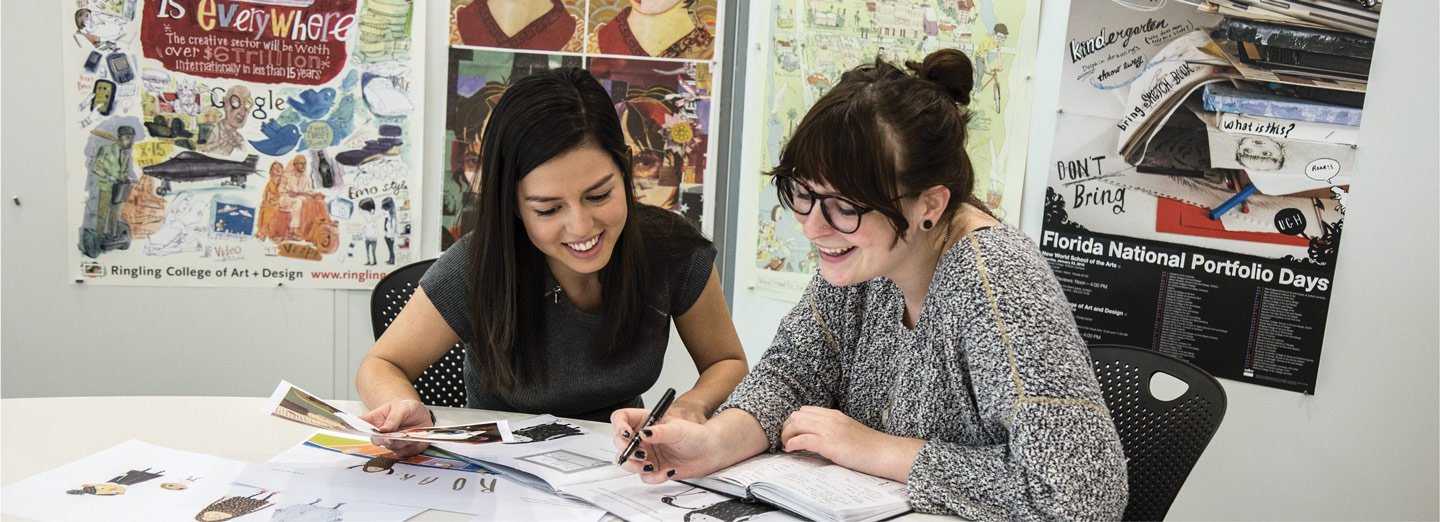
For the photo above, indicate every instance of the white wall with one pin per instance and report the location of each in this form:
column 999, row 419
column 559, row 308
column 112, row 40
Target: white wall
column 1365, row 446
column 63, row 339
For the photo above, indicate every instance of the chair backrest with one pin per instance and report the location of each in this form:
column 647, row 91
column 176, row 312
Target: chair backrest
column 443, row 383
column 1162, row 439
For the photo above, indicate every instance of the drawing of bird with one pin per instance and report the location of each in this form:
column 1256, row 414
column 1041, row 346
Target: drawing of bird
column 342, row 119
column 279, row 140
column 313, row 104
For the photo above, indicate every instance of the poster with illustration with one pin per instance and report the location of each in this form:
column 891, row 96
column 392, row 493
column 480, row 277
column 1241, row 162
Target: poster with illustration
column 808, row 45
column 536, row 25
column 664, row 98
column 652, row 28
column 147, row 482
column 243, row 143
column 1196, row 196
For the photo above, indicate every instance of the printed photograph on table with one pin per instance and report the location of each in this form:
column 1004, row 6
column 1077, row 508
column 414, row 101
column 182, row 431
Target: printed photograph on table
column 476, row 80
column 810, row 44
column 536, row 25
column 664, row 110
column 1197, row 195
column 653, row 28
column 276, row 144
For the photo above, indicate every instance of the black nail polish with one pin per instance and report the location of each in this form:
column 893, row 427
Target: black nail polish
column 639, row 454
column 625, row 434
column 649, row 468
column 670, row 473
column 648, row 433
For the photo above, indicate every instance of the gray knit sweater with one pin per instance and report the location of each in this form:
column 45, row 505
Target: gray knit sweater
column 994, row 376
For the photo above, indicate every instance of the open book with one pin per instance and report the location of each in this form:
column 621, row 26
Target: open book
column 810, row 486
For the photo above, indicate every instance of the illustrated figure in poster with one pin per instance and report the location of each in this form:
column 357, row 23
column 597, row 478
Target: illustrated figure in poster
column 544, row 432
column 270, row 204
column 657, row 164
column 229, row 507
column 295, row 189
column 732, row 510
column 388, row 205
column 309, row 513
column 541, row 25
column 116, row 486
column 1260, row 153
column 659, row 28
column 380, row 463
column 100, row 30
column 113, row 174
column 987, row 57
column 184, row 228
column 371, row 232
column 225, row 135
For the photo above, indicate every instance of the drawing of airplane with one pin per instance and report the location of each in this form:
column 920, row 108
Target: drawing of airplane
column 191, row 166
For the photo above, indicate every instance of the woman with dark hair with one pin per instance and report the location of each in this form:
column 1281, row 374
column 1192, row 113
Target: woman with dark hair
column 935, row 347
column 564, row 291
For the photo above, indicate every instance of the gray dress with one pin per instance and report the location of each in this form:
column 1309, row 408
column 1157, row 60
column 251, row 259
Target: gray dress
column 583, row 384
column 995, row 377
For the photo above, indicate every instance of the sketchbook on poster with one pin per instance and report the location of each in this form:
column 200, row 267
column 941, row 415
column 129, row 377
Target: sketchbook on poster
column 810, row 486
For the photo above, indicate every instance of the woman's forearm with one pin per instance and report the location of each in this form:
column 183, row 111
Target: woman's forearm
column 714, row 386
column 379, row 382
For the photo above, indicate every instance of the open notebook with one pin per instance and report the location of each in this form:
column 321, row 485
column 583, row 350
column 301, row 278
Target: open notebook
column 810, row 486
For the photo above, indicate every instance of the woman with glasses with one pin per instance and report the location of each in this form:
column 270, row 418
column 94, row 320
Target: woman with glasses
column 935, row 347
column 565, row 292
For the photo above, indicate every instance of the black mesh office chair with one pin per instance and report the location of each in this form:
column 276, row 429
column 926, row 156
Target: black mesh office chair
column 1162, row 439
column 443, row 383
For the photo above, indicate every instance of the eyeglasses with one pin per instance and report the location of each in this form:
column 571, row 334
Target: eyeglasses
column 842, row 214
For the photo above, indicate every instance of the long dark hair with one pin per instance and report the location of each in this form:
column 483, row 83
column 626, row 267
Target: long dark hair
column 538, row 118
column 882, row 133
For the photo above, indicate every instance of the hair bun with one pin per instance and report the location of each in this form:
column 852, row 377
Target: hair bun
column 951, row 70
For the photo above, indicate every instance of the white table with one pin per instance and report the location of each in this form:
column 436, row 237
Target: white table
column 37, row 435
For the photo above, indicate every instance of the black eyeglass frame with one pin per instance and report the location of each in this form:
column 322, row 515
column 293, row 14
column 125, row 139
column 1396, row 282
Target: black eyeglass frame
column 787, row 199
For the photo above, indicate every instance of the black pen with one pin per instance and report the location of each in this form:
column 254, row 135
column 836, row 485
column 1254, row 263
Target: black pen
column 655, row 415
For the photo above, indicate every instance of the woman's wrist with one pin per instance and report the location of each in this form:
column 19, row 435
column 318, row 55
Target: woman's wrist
column 426, row 408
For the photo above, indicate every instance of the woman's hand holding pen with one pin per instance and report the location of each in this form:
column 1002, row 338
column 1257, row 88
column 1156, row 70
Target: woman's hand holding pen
column 673, row 448
column 395, row 416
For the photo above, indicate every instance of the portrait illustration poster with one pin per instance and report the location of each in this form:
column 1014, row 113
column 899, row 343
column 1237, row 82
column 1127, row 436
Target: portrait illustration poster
column 1178, row 222
column 242, row 143
column 808, row 45
column 663, row 86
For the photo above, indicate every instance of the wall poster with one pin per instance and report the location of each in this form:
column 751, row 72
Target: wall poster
column 1196, row 196
column 811, row 43
column 242, row 142
column 659, row 61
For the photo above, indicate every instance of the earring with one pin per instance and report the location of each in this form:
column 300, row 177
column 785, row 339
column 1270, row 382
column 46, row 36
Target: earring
column 927, row 224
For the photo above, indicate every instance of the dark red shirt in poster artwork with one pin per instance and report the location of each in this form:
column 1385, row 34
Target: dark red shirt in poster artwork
column 551, row 32
column 255, row 42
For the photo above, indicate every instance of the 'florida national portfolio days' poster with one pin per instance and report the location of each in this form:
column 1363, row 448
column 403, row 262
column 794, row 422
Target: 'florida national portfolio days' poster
column 242, row 142
column 1196, row 194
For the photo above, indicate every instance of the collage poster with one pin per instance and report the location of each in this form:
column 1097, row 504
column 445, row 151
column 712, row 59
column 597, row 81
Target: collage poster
column 658, row 60
column 242, row 143
column 811, row 43
column 1142, row 161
